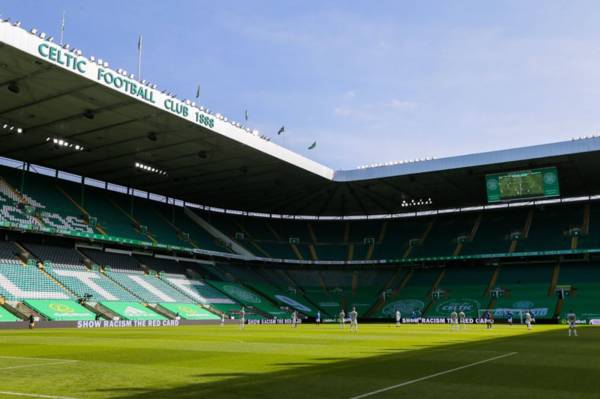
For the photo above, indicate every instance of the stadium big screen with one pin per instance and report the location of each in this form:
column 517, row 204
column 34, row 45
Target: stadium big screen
column 522, row 184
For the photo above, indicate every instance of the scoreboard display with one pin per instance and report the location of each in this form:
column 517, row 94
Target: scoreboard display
column 523, row 184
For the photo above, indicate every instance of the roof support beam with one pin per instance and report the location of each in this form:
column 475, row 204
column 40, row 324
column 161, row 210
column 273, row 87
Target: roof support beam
column 45, row 99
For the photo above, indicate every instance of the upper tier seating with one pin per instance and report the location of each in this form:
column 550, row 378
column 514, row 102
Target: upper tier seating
column 51, row 203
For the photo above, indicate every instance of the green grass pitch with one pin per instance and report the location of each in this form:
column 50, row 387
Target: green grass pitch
column 307, row 362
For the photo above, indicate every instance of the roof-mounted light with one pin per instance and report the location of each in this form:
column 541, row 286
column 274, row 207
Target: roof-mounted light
column 150, row 169
column 64, row 144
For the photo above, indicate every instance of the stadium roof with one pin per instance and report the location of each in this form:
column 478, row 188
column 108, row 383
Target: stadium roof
column 56, row 93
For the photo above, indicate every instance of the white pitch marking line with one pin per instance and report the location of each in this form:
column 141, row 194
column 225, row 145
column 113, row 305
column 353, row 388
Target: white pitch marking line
column 364, row 395
column 33, row 395
column 22, row 366
column 30, row 358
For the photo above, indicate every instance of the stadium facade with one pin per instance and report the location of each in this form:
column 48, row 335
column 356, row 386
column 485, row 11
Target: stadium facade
column 120, row 201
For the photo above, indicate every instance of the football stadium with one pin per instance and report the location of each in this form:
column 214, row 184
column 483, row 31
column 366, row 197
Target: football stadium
column 152, row 248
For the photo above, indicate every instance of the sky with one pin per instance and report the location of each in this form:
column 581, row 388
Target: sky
column 370, row 81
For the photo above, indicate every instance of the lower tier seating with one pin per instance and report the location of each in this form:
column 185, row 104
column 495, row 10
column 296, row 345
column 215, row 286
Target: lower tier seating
column 60, row 310
column 132, row 311
column 6, row 316
column 189, row 311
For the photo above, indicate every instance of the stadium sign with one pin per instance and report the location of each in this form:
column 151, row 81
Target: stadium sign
column 64, row 58
column 439, row 320
column 124, row 84
column 534, row 183
column 120, row 82
column 461, row 305
column 60, row 310
column 273, row 321
column 189, row 311
column 127, row 323
column 535, row 312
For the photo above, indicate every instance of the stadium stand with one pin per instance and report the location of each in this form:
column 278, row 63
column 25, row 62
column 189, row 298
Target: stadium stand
column 199, row 237
column 202, row 293
column 413, row 295
column 248, row 298
column 462, row 289
column 581, row 284
column 113, row 260
column 148, row 288
column 6, row 316
column 60, row 310
column 189, row 311
column 526, row 287
column 52, row 212
column 96, row 204
column 89, row 284
column 55, row 254
column 132, row 311
column 59, row 204
column 271, row 230
column 19, row 282
column 275, row 290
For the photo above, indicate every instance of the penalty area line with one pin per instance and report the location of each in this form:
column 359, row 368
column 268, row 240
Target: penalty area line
column 33, row 395
column 466, row 366
column 30, row 358
column 22, row 366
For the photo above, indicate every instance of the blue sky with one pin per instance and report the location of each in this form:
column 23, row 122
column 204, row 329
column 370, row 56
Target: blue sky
column 371, row 81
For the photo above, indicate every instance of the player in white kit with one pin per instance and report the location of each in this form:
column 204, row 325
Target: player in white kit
column 398, row 318
column 572, row 321
column 528, row 318
column 354, row 320
column 462, row 319
column 222, row 319
column 342, row 319
column 454, row 320
column 243, row 318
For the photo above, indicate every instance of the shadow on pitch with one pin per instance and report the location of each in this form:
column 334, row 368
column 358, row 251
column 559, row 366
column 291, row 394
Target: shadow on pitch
column 348, row 378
